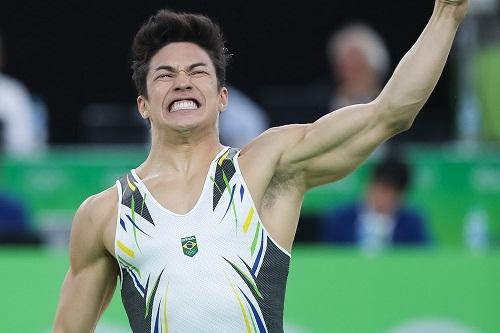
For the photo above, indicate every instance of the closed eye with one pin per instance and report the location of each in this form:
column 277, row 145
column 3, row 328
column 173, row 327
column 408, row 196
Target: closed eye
column 198, row 73
column 165, row 75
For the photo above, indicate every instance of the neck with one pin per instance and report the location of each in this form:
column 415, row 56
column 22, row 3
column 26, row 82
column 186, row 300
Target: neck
column 180, row 152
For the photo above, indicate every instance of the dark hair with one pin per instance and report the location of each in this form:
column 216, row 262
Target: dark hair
column 167, row 27
column 392, row 171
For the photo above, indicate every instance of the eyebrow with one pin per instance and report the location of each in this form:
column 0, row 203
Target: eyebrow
column 173, row 69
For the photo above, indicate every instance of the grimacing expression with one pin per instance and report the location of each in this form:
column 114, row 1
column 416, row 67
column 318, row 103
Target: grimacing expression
column 182, row 88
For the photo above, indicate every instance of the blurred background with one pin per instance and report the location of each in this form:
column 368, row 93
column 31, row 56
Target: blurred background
column 407, row 243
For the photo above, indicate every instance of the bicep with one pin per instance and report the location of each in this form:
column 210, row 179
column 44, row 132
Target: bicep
column 90, row 281
column 337, row 143
column 84, row 296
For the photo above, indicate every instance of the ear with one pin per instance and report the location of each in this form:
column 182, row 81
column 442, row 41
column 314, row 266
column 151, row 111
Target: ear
column 223, row 99
column 143, row 106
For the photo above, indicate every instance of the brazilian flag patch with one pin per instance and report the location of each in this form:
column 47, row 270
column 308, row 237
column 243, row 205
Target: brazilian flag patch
column 189, row 246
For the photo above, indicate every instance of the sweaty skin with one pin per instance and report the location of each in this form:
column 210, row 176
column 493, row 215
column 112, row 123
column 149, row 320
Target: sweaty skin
column 279, row 166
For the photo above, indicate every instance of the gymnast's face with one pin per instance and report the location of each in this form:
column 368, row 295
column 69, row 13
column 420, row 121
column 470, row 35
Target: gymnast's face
column 182, row 90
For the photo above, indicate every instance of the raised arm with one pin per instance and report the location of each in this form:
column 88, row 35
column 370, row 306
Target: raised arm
column 91, row 278
column 334, row 145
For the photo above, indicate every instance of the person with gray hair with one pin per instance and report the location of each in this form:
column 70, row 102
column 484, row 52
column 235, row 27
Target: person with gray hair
column 359, row 63
column 17, row 115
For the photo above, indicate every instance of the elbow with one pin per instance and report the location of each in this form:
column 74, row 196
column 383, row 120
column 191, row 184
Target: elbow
column 400, row 124
column 398, row 118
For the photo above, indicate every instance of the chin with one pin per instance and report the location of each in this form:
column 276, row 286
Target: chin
column 186, row 122
column 186, row 125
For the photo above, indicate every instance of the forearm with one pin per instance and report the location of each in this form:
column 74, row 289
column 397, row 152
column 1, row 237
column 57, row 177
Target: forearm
column 418, row 72
column 335, row 144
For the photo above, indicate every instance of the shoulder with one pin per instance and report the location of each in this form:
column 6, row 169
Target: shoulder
column 94, row 221
column 269, row 147
column 92, row 231
column 261, row 162
column 286, row 134
column 99, row 206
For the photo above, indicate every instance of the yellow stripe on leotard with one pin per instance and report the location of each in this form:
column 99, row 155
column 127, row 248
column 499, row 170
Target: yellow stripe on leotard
column 223, row 158
column 165, row 322
column 245, row 318
column 132, row 186
column 248, row 220
column 128, row 251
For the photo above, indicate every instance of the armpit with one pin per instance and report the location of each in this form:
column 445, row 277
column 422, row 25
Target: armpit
column 281, row 184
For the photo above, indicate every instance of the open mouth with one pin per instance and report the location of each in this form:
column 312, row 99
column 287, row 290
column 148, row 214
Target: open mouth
column 184, row 104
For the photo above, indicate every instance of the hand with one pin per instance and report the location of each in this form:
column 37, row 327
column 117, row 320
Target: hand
column 459, row 7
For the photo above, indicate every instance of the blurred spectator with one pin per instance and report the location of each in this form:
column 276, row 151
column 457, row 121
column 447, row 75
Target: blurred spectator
column 14, row 223
column 381, row 219
column 18, row 115
column 359, row 63
column 15, row 226
column 242, row 121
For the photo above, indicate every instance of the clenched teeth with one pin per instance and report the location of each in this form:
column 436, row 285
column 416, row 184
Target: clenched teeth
column 185, row 104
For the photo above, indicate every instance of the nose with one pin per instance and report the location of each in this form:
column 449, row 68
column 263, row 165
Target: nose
column 182, row 81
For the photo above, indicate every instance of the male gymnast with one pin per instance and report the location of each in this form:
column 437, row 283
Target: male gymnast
column 200, row 234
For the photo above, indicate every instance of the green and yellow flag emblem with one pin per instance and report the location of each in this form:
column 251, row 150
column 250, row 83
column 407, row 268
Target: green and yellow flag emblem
column 189, row 246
